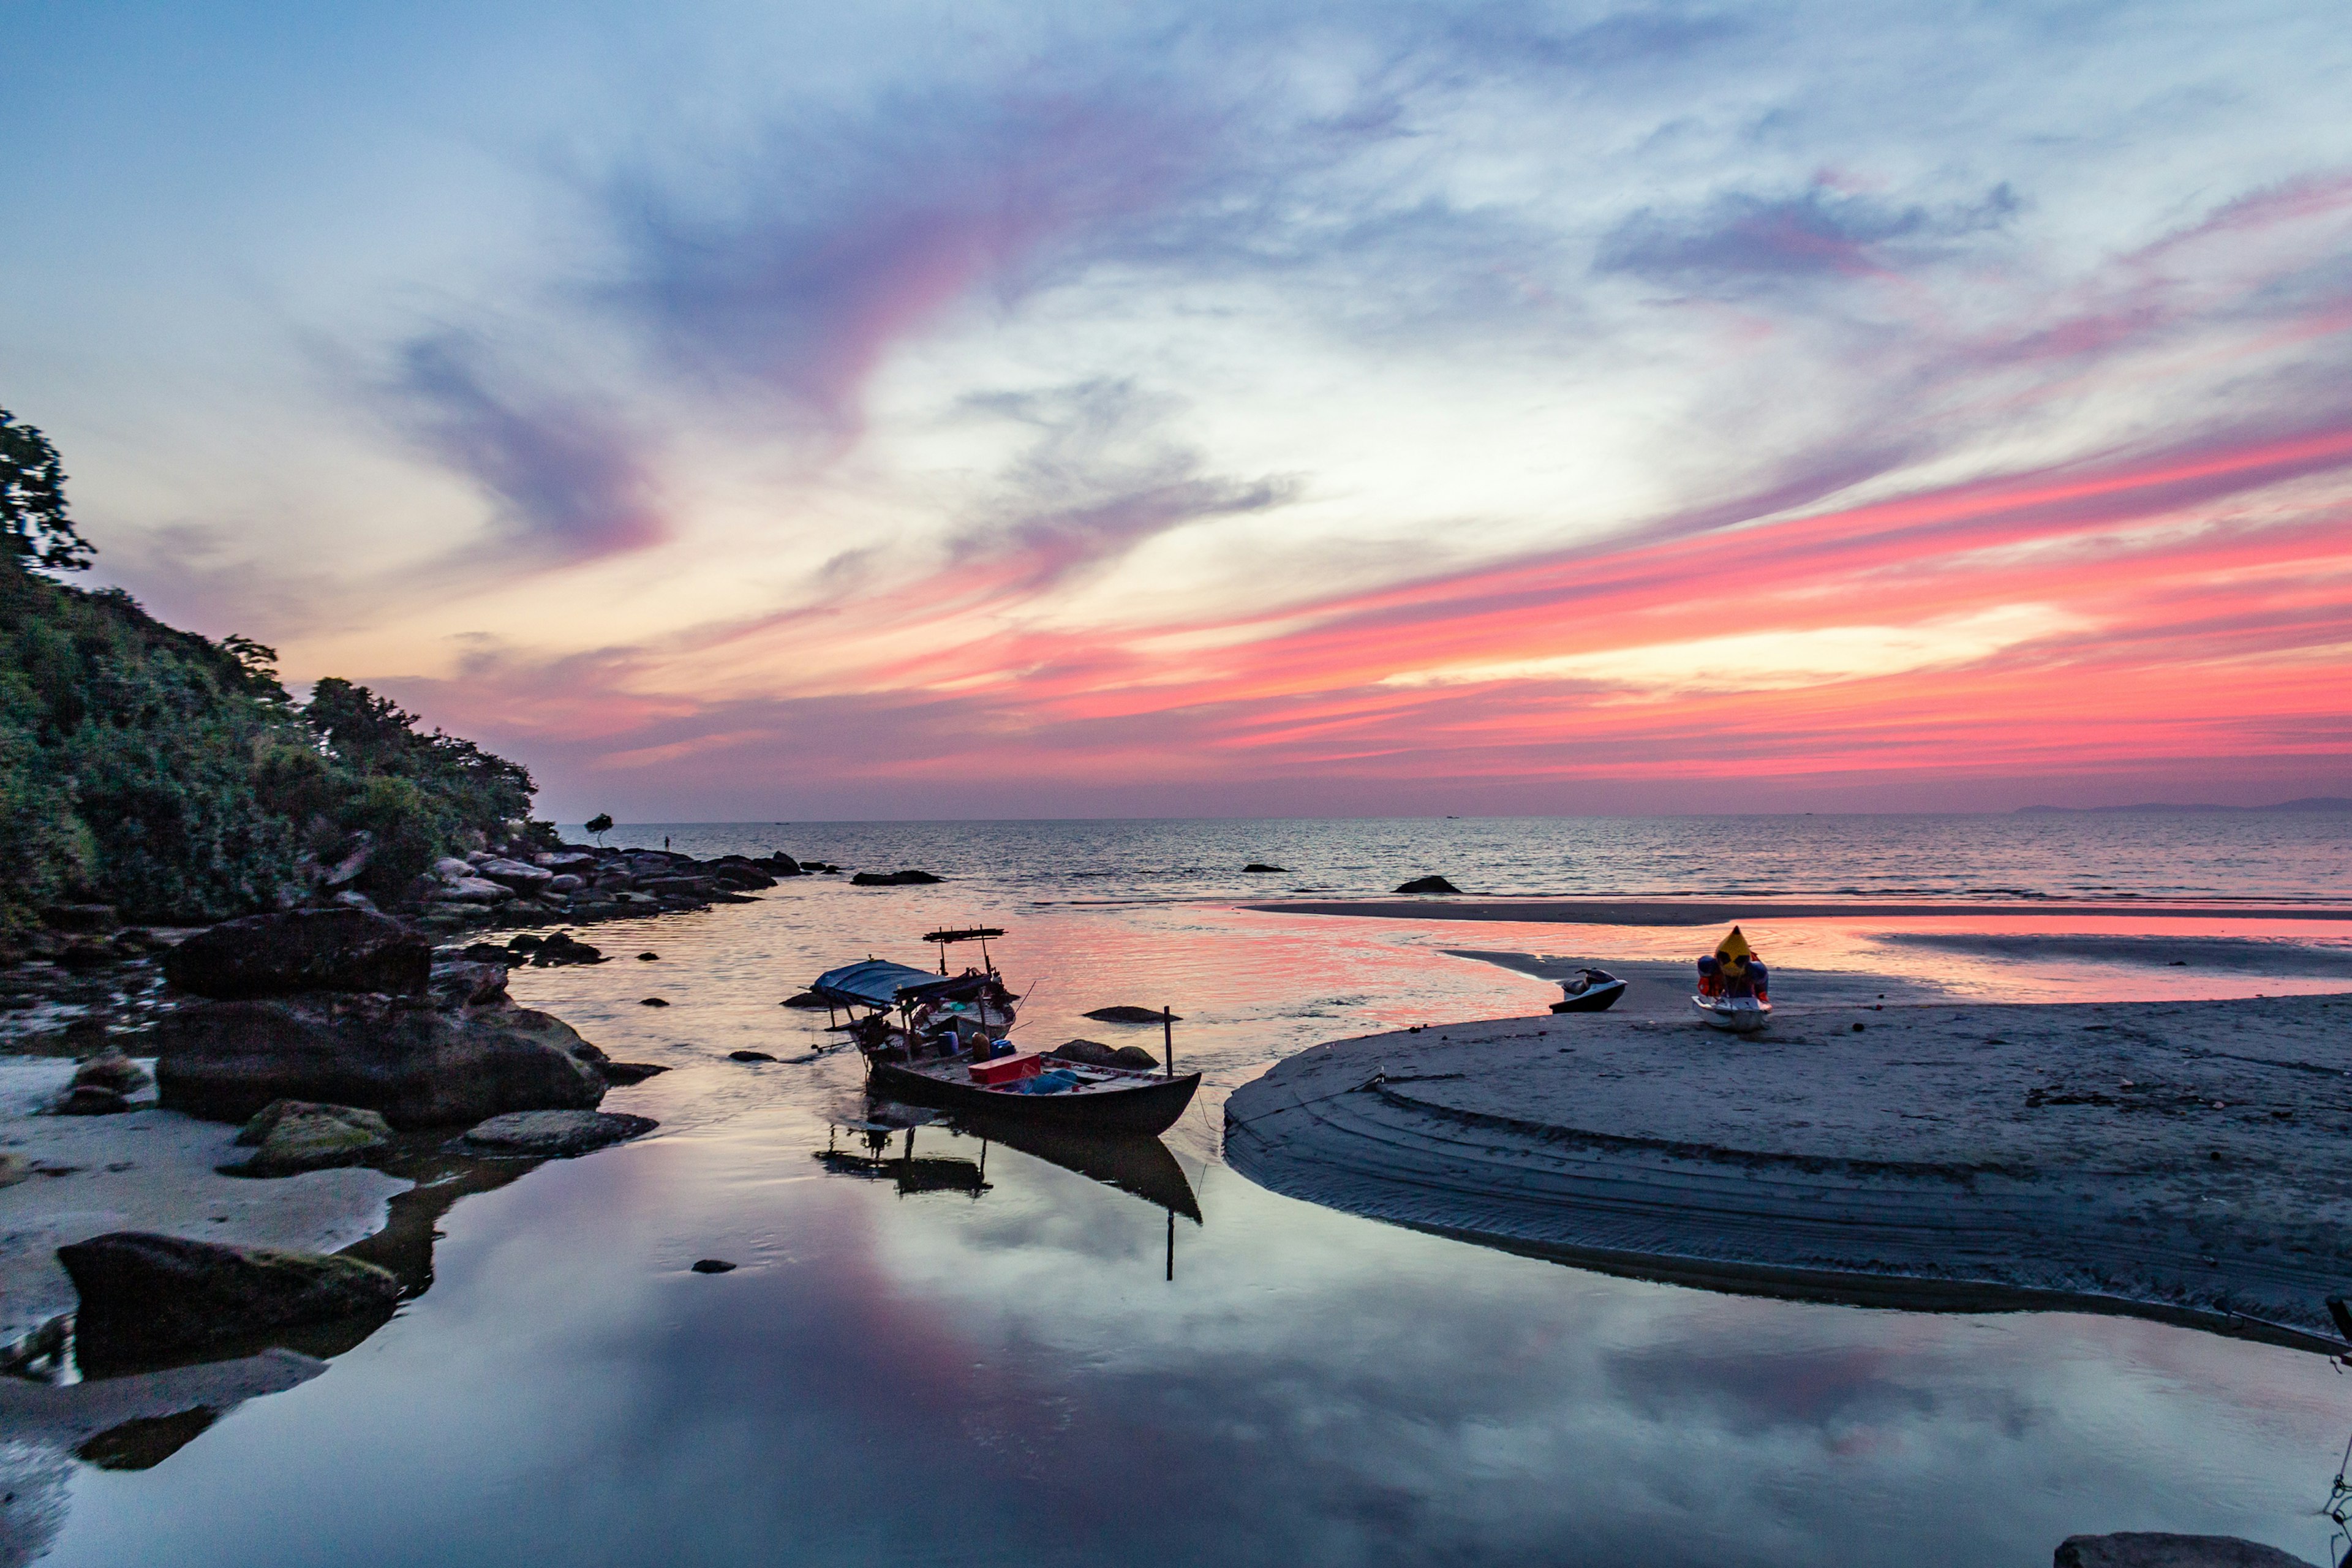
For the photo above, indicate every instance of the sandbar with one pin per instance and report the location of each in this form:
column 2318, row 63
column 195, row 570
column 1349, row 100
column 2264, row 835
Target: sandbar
column 1720, row 911
column 2184, row 1161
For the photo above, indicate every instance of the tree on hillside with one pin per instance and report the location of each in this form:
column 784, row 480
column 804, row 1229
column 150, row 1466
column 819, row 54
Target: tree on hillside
column 33, row 528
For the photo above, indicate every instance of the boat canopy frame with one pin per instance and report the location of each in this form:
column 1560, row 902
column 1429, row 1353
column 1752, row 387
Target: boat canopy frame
column 884, row 986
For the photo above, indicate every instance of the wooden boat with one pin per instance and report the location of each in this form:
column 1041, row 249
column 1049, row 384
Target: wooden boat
column 1101, row 1099
column 948, row 1050
column 1593, row 991
column 1740, row 1015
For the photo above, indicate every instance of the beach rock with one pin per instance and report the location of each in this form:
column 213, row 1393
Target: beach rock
column 144, row 1295
column 472, row 891
column 649, row 958
column 651, row 1002
column 1134, row 1056
column 783, row 864
column 418, row 1066
column 470, row 983
column 1260, row 868
column 891, row 879
column 563, row 948
column 552, row 1133
column 561, row 860
column 2151, row 1549
column 630, row 1072
column 1125, row 1015
column 1428, row 885
column 110, row 1069
column 749, row 1056
column 359, row 850
column 1093, row 1053
column 301, row 950
column 291, row 1135
column 91, row 1099
column 523, row 878
column 713, row 1266
column 566, row 883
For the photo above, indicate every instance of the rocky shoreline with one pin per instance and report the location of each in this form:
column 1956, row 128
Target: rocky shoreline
column 295, row 1073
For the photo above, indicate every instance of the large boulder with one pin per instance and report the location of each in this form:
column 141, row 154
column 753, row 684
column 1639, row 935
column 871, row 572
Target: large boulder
column 301, row 950
column 419, row 1066
column 148, row 1295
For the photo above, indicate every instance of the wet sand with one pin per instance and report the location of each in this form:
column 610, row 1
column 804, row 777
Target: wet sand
column 2183, row 1159
column 1678, row 912
column 145, row 1169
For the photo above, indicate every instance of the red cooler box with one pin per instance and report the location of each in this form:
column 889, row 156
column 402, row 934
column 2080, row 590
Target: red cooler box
column 1007, row 1070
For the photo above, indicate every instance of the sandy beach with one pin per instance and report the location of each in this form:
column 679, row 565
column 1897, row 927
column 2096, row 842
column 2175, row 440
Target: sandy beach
column 2181, row 1160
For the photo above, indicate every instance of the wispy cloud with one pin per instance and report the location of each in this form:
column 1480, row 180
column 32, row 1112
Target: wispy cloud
column 567, row 479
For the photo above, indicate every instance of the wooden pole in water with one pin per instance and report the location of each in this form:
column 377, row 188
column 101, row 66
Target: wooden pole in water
column 1167, row 1036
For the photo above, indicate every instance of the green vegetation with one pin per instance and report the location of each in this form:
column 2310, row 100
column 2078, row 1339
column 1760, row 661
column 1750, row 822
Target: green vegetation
column 173, row 776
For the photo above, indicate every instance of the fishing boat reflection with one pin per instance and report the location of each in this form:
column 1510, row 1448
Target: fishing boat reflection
column 1138, row 1165
column 927, row 1173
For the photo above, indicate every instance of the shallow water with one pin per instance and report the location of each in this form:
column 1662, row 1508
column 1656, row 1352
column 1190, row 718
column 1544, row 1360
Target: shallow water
column 1007, row 1374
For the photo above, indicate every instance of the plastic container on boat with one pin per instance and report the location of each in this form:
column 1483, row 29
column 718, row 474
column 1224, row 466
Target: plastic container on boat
column 1006, row 1069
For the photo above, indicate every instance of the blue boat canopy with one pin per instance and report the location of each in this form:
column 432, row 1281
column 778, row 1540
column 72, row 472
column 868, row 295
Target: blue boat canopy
column 878, row 983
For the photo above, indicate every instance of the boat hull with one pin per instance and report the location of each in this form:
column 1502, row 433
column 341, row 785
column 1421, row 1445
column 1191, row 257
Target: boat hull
column 1597, row 999
column 1739, row 1015
column 1151, row 1106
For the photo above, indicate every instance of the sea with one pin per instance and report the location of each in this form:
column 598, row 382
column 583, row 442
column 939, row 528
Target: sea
column 934, row 1349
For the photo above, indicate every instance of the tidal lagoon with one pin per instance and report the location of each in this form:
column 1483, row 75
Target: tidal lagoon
column 933, row 1346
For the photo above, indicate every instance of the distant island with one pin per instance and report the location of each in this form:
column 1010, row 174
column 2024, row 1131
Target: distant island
column 2310, row 803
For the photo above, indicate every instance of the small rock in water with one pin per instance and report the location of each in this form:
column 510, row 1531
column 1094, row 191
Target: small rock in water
column 532, row 1133
column 1125, row 1015
column 651, row 1002
column 891, row 879
column 1257, row 868
column 749, row 1056
column 630, row 1072
column 1134, row 1056
column 713, row 1266
column 1092, row 1053
column 649, row 958
column 1428, row 885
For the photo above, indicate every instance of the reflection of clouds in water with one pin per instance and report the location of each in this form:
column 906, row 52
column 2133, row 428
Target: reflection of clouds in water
column 1010, row 1380
column 32, row 1500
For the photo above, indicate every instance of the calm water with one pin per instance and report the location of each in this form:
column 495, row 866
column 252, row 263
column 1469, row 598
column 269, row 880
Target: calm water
column 1004, row 1373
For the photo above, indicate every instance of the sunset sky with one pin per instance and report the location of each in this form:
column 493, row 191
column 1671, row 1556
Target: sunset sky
column 775, row 412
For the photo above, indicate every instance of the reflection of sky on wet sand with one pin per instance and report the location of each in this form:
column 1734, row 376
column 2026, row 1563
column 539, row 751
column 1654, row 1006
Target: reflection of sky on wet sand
column 1009, row 1378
